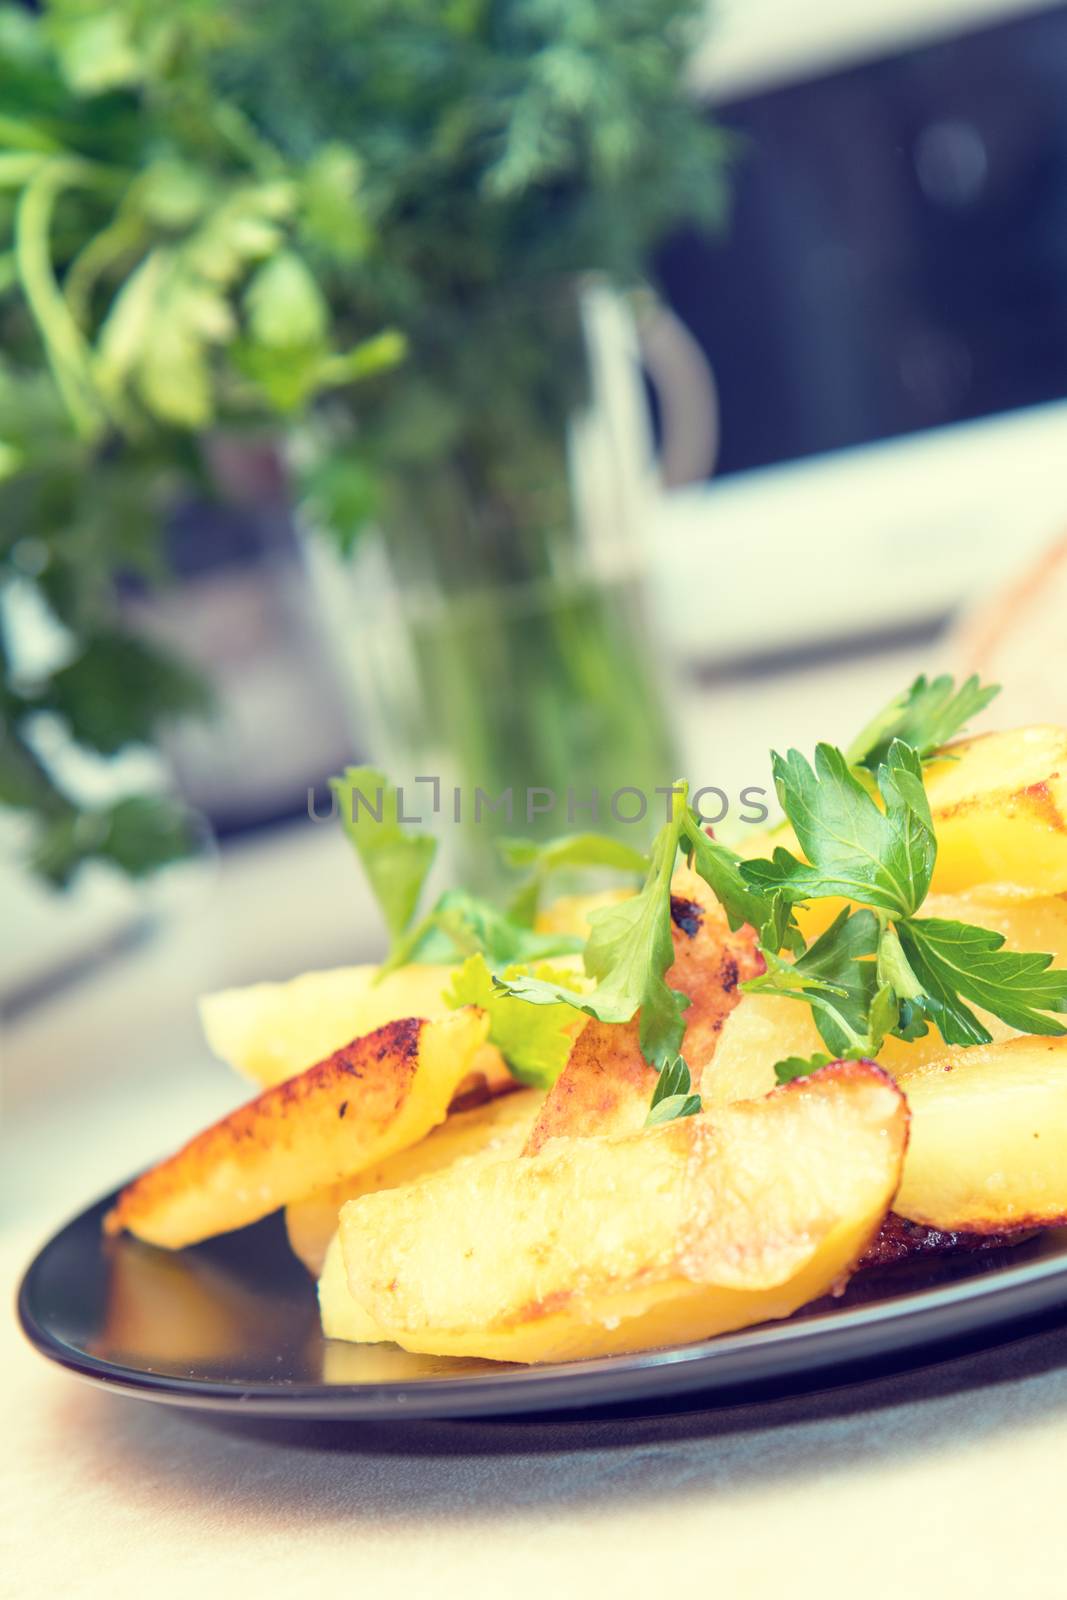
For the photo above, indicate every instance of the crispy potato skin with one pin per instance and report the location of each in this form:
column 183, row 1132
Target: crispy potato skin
column 710, row 964
column 898, row 1241
column 271, row 1031
column 603, row 1245
column 607, row 1084
column 374, row 1096
column 499, row 1127
column 604, row 1089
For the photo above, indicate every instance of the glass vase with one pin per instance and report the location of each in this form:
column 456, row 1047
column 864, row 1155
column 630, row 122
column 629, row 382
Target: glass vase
column 492, row 619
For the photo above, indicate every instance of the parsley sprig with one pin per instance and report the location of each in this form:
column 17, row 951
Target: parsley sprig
column 880, row 969
column 630, row 948
column 672, row 1097
column 877, row 857
column 865, row 834
column 926, row 716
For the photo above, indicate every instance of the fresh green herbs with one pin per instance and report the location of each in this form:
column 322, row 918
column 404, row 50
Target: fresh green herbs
column 926, row 716
column 535, row 1041
column 630, row 948
column 850, row 1003
column 672, row 1095
column 864, row 835
column 628, row 951
column 800, row 1066
column 396, row 858
column 955, row 962
column 854, row 849
column 879, row 969
column 572, row 850
column 460, row 924
column 742, row 901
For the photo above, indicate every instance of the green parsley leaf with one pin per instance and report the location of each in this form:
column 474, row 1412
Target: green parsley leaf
column 535, row 1041
column 954, row 962
column 628, row 952
column 396, row 858
column 720, row 867
column 852, row 1007
column 800, row 1066
column 461, row 924
column 672, row 1095
column 853, row 849
column 571, row 851
column 925, row 716
column 907, row 811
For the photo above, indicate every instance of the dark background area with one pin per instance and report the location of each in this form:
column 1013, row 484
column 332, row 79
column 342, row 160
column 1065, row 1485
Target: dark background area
column 897, row 254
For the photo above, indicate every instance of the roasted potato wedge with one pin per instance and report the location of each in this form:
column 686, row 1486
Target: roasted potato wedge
column 270, row 1031
column 607, row 1084
column 376, row 1096
column 598, row 1246
column 710, row 963
column 766, row 1028
column 999, row 806
column 340, row 1312
column 988, row 1148
column 763, row 1029
column 604, row 1089
column 499, row 1127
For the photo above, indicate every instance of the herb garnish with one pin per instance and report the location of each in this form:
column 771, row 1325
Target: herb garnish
column 863, row 825
column 397, row 859
column 570, row 850
column 671, row 1097
column 881, row 969
column 927, row 715
column 628, row 951
column 535, row 1041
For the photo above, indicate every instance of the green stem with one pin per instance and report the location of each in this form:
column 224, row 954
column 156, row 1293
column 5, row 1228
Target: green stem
column 68, row 354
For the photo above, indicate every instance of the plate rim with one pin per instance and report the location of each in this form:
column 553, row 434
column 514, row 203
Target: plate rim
column 929, row 1316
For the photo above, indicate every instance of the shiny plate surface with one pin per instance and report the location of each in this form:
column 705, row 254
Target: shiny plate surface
column 232, row 1324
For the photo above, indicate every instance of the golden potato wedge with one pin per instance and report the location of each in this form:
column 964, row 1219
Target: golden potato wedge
column 1000, row 811
column 499, row 1127
column 766, row 1028
column 604, row 1089
column 270, row 1031
column 763, row 1028
column 376, row 1096
column 988, row 1148
column 607, row 1084
column 341, row 1314
column 710, row 962
column 598, row 1246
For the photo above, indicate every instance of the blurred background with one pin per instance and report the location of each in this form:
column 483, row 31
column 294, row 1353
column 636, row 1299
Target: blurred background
column 521, row 392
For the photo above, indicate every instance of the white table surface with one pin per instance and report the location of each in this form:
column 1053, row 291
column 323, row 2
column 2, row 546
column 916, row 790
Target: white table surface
column 946, row 1481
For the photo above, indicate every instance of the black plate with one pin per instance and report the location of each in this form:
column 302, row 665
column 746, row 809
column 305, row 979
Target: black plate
column 233, row 1324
